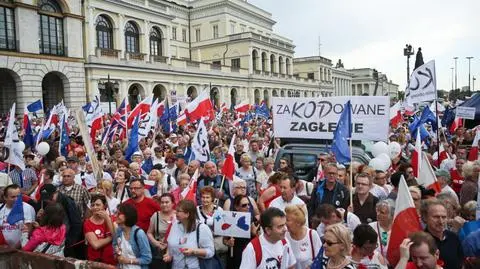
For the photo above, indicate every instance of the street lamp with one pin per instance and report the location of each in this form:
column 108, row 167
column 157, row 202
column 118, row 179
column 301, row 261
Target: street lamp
column 469, row 58
column 455, row 58
column 473, row 83
column 408, row 51
column 110, row 90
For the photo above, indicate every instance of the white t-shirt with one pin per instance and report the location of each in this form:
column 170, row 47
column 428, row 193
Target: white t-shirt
column 302, row 249
column 379, row 192
column 282, row 204
column 274, row 256
column 112, row 205
column 13, row 233
column 352, row 222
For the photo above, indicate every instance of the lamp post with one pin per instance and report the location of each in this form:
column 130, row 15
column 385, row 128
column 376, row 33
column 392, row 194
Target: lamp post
column 469, row 58
column 452, row 78
column 408, row 51
column 109, row 89
column 455, row 58
column 473, row 83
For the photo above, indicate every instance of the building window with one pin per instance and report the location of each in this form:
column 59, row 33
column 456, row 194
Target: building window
column 215, row 31
column 104, row 33
column 174, row 33
column 217, row 63
column 51, row 28
column 132, row 38
column 242, row 29
column 184, row 35
column 232, row 28
column 7, row 29
column 155, row 42
column 236, row 63
column 311, row 75
column 197, row 35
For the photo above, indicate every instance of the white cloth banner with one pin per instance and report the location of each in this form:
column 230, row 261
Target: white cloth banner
column 423, row 84
column 232, row 223
column 200, row 147
column 15, row 154
column 149, row 122
column 317, row 118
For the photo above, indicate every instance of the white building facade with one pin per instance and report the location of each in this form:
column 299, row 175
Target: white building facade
column 175, row 49
column 364, row 82
column 342, row 80
column 316, row 68
column 41, row 53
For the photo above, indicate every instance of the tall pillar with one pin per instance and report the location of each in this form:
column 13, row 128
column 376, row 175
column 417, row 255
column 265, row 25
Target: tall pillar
column 121, row 34
column 146, row 40
column 91, row 30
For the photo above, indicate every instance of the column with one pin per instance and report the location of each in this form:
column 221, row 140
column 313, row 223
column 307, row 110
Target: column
column 146, row 38
column 93, row 89
column 168, row 49
column 91, row 31
column 250, row 60
column 123, row 91
column 121, row 35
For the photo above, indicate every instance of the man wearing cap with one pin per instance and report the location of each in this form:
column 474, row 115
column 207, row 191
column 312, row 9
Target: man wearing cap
column 12, row 232
column 79, row 193
column 73, row 221
column 172, row 140
column 443, row 178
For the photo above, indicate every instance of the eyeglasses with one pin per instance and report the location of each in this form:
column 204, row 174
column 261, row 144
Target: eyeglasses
column 136, row 188
column 240, row 187
column 330, row 243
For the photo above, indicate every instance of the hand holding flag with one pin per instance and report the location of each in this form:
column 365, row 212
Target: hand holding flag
column 343, row 132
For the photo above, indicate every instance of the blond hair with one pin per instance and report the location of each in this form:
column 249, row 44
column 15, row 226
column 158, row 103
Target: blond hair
column 297, row 213
column 343, row 236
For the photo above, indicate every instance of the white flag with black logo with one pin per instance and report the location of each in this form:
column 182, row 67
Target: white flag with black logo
column 15, row 148
column 423, row 84
column 200, row 146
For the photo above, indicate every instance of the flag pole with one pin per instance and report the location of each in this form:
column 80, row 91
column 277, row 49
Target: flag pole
column 221, row 188
column 351, row 173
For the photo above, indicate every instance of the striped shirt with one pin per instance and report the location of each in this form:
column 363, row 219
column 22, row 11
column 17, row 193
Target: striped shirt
column 25, row 179
column 79, row 194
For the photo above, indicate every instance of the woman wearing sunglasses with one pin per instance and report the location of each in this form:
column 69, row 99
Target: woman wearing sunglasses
column 237, row 245
column 337, row 244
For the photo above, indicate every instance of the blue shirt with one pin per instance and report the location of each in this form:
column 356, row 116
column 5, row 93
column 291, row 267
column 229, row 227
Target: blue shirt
column 141, row 247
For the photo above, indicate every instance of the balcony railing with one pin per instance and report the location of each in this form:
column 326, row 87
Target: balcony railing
column 136, row 56
column 102, row 52
column 235, row 69
column 193, row 64
column 159, row 58
column 258, row 72
column 215, row 67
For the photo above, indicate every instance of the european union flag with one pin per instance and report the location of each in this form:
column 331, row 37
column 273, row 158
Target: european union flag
column 418, row 125
column 35, row 106
column 28, row 138
column 262, row 111
column 448, row 117
column 133, row 140
column 344, row 131
column 317, row 262
column 16, row 214
column 147, row 165
column 429, row 117
column 64, row 138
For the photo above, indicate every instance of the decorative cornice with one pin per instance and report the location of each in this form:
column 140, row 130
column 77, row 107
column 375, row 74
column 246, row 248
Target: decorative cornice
column 40, row 56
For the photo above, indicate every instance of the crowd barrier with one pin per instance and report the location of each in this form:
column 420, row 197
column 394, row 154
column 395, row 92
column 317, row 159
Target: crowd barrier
column 17, row 259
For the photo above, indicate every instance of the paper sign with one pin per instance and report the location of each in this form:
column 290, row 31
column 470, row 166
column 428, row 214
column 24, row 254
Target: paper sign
column 465, row 112
column 232, row 223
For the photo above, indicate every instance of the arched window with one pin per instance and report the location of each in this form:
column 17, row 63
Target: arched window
column 51, row 27
column 131, row 38
column 104, row 33
column 155, row 42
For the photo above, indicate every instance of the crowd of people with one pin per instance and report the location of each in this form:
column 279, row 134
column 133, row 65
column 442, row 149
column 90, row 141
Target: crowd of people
column 136, row 214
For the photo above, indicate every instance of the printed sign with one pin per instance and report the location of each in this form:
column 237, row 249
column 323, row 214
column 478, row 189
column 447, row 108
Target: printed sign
column 465, row 112
column 317, row 118
column 232, row 223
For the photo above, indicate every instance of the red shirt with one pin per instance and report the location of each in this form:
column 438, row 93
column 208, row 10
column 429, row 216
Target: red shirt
column 145, row 210
column 457, row 180
column 104, row 254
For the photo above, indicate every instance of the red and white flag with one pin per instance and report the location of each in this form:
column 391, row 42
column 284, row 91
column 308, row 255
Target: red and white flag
column 473, row 153
column 417, row 155
column 395, row 115
column 243, row 107
column 93, row 118
column 443, row 156
column 228, row 168
column 457, row 123
column 182, row 119
column 36, row 194
column 200, row 107
column 405, row 221
column 426, row 176
column 189, row 193
column 142, row 109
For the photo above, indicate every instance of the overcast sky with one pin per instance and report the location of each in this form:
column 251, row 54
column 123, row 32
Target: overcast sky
column 373, row 33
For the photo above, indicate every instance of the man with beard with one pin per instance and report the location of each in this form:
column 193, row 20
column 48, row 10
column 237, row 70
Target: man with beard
column 145, row 206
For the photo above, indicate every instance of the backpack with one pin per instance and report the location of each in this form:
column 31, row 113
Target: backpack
column 257, row 248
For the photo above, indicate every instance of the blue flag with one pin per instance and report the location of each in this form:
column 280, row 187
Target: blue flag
column 429, row 117
column 64, row 138
column 28, row 138
column 317, row 262
column 147, row 165
column 16, row 214
column 344, row 131
column 132, row 140
column 418, row 125
column 262, row 111
column 35, row 106
column 448, row 117
column 165, row 119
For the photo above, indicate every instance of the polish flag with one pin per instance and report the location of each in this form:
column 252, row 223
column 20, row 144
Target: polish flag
column 405, row 221
column 160, row 109
column 181, row 119
column 189, row 193
column 228, row 168
column 443, row 156
column 426, row 176
column 25, row 119
column 409, row 110
column 473, row 153
column 142, row 109
column 200, row 107
column 243, row 107
column 458, row 122
column 395, row 115
column 417, row 155
column 36, row 194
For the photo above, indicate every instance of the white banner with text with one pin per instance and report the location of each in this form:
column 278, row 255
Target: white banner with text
column 317, row 118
